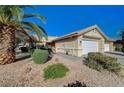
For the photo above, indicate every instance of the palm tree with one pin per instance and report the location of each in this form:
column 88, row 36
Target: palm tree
column 12, row 20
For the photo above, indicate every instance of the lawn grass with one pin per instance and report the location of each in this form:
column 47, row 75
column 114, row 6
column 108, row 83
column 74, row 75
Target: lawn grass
column 55, row 71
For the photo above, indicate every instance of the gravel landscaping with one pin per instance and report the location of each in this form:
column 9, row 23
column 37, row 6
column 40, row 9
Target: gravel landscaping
column 27, row 73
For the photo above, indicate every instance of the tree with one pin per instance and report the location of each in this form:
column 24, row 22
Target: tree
column 122, row 39
column 12, row 20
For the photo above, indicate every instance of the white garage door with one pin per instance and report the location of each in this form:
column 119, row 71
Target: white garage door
column 106, row 47
column 89, row 46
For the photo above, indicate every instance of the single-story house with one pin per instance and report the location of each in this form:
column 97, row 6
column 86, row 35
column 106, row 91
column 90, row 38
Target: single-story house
column 81, row 42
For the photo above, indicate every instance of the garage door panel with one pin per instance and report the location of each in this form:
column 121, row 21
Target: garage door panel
column 106, row 47
column 89, row 46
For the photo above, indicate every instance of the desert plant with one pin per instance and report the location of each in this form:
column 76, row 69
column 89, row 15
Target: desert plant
column 76, row 84
column 93, row 64
column 12, row 20
column 55, row 71
column 96, row 56
column 112, row 66
column 40, row 56
column 99, row 61
column 122, row 39
column 119, row 47
column 31, row 51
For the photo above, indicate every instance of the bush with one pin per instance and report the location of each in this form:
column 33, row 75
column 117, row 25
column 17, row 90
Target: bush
column 93, row 64
column 55, row 71
column 123, row 49
column 96, row 56
column 44, row 47
column 113, row 66
column 119, row 47
column 99, row 61
column 76, row 84
column 40, row 56
column 31, row 51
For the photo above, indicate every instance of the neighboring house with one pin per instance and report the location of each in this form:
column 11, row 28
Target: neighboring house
column 50, row 38
column 79, row 43
column 43, row 40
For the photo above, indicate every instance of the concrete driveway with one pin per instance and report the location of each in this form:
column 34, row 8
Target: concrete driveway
column 69, row 57
column 118, row 55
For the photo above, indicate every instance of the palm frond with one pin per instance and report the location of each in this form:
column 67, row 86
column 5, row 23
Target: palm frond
column 35, row 28
column 44, row 32
column 17, row 14
column 3, row 19
column 36, row 15
column 26, row 6
column 24, row 31
column 42, row 29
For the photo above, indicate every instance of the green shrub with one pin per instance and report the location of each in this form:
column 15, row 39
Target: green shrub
column 119, row 47
column 46, row 47
column 99, row 61
column 40, row 56
column 55, row 71
column 93, row 64
column 96, row 56
column 112, row 66
column 123, row 49
column 31, row 51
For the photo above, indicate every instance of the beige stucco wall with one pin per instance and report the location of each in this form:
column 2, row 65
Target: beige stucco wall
column 111, row 47
column 101, row 45
column 94, row 33
column 67, row 45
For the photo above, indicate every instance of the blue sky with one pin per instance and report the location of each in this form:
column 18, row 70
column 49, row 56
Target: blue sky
column 62, row 20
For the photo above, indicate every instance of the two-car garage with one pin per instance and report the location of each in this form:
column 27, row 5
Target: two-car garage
column 92, row 46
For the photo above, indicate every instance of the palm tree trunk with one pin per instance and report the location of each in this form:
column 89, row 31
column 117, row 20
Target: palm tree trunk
column 7, row 44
